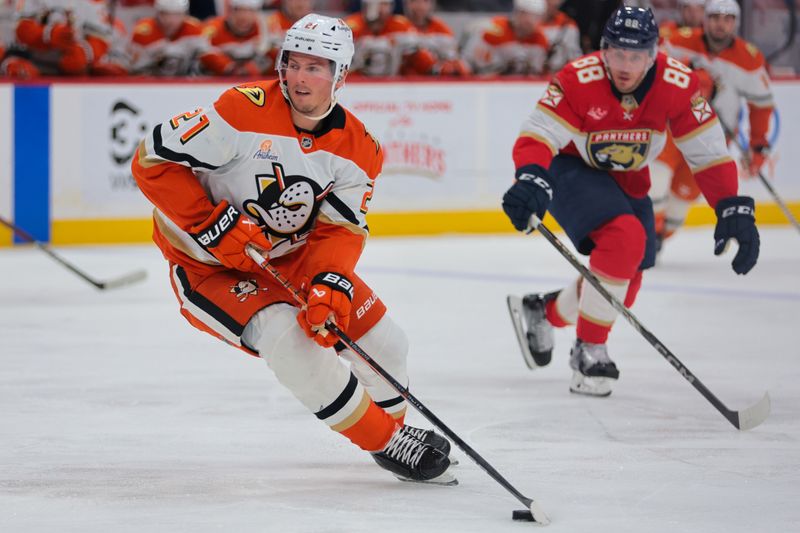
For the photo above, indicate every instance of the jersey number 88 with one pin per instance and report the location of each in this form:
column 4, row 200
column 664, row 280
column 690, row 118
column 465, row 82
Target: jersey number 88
column 589, row 70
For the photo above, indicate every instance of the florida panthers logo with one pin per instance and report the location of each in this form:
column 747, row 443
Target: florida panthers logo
column 286, row 205
column 618, row 150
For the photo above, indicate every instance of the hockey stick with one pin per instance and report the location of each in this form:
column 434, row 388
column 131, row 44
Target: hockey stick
column 764, row 180
column 127, row 279
column 536, row 513
column 744, row 420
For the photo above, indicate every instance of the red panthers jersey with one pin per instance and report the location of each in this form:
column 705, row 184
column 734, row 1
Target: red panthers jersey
column 582, row 114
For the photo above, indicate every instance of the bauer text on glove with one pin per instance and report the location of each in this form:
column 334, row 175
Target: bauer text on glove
column 226, row 233
column 329, row 298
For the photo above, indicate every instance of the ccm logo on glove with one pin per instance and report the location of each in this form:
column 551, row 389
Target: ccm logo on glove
column 538, row 180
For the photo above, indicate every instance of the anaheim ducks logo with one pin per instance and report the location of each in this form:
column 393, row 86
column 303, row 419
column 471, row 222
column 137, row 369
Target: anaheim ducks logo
column 286, row 205
column 618, row 150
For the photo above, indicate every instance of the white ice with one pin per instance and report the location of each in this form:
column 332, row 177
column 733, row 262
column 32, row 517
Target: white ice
column 116, row 415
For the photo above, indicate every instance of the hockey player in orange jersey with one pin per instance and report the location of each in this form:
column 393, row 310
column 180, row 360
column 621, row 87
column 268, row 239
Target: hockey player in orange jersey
column 58, row 37
column 280, row 166
column 690, row 15
column 281, row 20
column 563, row 36
column 170, row 43
column 436, row 37
column 583, row 155
column 737, row 72
column 510, row 44
column 241, row 37
column 387, row 44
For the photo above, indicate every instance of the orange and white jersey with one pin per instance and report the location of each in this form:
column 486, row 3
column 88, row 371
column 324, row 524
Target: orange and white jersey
column 37, row 19
column 437, row 37
column 298, row 186
column 563, row 41
column 384, row 52
column 739, row 73
column 153, row 53
column 252, row 46
column 493, row 48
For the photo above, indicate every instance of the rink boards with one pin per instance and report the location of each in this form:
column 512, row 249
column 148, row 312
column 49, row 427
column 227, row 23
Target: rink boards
column 65, row 152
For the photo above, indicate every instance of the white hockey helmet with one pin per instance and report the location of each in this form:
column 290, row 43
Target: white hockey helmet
column 247, row 4
column 538, row 7
column 172, row 6
column 317, row 35
column 723, row 7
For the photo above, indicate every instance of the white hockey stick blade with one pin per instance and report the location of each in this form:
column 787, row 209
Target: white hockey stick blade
column 754, row 415
column 517, row 322
column 127, row 279
column 539, row 516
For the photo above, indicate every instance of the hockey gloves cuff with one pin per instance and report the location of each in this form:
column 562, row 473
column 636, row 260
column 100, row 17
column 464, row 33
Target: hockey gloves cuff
column 225, row 235
column 736, row 220
column 530, row 195
column 329, row 298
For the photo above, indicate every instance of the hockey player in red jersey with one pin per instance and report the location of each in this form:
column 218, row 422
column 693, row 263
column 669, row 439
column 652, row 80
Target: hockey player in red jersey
column 583, row 154
column 280, row 166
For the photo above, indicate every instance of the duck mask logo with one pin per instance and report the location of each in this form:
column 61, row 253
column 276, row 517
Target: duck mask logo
column 286, row 205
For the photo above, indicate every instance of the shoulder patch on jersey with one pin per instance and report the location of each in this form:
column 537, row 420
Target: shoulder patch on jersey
column 701, row 109
column 685, row 31
column 751, row 48
column 552, row 96
column 143, row 28
column 254, row 94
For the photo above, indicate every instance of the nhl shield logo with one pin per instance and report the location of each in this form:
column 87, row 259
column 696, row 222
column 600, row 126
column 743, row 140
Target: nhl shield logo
column 618, row 150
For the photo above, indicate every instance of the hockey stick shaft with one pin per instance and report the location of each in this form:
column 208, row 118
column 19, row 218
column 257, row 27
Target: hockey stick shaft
column 746, row 419
column 539, row 516
column 778, row 200
column 127, row 279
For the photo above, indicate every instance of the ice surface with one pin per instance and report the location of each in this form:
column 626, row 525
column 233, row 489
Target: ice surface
column 116, row 415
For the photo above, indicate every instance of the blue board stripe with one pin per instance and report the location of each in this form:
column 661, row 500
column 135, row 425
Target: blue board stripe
column 32, row 160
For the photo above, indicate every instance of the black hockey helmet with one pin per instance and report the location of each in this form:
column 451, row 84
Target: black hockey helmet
column 632, row 28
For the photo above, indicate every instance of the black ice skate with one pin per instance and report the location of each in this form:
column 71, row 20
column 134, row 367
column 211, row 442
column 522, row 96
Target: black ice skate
column 594, row 371
column 431, row 438
column 410, row 459
column 534, row 332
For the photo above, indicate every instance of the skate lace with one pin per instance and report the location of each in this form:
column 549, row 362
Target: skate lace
column 405, row 447
column 417, row 433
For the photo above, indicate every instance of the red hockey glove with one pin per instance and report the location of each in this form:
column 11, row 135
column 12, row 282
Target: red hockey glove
column 62, row 35
column 756, row 157
column 328, row 299
column 226, row 233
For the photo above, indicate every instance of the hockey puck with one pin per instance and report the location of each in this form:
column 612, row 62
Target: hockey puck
column 522, row 516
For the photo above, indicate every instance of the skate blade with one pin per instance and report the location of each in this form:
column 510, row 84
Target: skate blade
column 590, row 386
column 517, row 320
column 445, row 479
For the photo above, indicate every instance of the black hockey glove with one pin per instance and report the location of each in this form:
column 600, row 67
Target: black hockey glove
column 736, row 220
column 530, row 195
